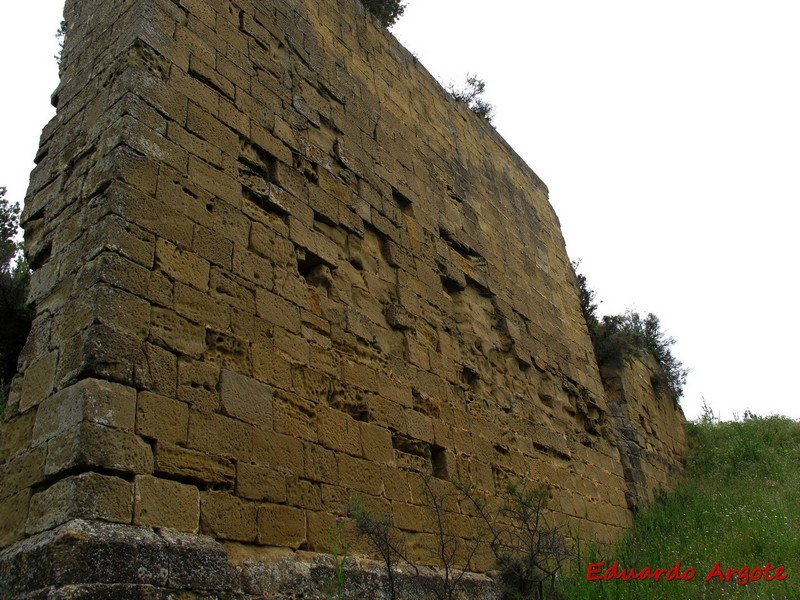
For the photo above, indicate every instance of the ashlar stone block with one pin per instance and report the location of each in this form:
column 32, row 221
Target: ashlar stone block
column 246, row 398
column 84, row 496
column 165, row 504
column 90, row 400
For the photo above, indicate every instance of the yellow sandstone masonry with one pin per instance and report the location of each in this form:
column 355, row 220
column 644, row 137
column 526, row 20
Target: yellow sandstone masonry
column 276, row 266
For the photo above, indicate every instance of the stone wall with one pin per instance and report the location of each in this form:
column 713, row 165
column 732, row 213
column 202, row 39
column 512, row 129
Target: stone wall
column 276, row 265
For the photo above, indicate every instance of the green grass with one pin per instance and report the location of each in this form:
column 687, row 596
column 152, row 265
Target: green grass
column 739, row 505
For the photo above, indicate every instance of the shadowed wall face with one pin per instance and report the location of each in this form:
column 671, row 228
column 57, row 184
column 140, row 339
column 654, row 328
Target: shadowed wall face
column 277, row 265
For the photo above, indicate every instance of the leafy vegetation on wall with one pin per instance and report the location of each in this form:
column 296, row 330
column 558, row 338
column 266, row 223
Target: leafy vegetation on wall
column 15, row 317
column 472, row 95
column 386, row 11
column 617, row 338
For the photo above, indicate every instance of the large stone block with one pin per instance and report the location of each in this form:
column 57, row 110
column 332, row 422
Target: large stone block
column 186, row 464
column 220, row 435
column 255, row 482
column 161, row 503
column 246, row 398
column 84, row 496
column 175, row 333
column 100, row 352
column 162, row 418
column 94, row 445
column 13, row 514
column 198, row 384
column 39, row 381
column 277, row 451
column 227, row 517
column 90, row 400
column 105, row 304
column 182, row 265
column 281, row 526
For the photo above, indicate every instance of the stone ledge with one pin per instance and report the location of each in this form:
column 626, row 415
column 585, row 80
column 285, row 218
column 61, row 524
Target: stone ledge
column 85, row 559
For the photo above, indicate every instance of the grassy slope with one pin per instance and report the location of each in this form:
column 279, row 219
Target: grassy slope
column 739, row 505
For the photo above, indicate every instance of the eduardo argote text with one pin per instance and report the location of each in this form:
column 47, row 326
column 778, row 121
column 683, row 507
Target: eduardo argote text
column 598, row 571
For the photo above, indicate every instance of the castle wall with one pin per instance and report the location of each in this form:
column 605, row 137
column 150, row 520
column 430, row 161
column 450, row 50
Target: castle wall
column 276, row 265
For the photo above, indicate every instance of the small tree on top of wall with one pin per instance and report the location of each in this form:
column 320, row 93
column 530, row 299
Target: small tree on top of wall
column 472, row 95
column 386, row 11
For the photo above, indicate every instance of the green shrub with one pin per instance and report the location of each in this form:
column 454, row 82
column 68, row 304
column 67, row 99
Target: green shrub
column 15, row 317
column 386, row 11
column 471, row 94
column 620, row 338
column 530, row 552
column 60, row 36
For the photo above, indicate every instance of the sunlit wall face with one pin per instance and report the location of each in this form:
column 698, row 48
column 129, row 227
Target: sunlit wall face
column 668, row 139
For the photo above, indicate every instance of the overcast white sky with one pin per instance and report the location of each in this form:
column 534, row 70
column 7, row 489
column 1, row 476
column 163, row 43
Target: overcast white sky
column 668, row 134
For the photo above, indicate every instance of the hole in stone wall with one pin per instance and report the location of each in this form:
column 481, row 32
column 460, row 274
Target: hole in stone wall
column 425, row 404
column 402, row 201
column 357, row 263
column 439, row 462
column 255, row 161
column 411, row 446
column 455, row 192
column 257, row 173
column 313, row 269
column 206, row 80
column 462, row 248
column 39, row 256
column 547, row 399
column 264, row 203
column 470, row 375
column 355, row 406
column 451, row 285
column 306, row 167
column 321, row 218
column 256, row 177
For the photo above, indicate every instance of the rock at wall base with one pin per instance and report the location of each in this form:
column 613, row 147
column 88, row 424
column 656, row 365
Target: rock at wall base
column 94, row 560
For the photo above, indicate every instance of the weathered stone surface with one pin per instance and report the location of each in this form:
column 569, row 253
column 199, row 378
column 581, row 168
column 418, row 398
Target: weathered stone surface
column 23, row 471
column 246, row 398
column 165, row 504
column 225, row 516
column 90, row 400
column 13, row 514
column 162, row 418
column 92, row 445
column 91, row 553
column 39, row 381
column 85, row 496
column 281, row 526
column 84, row 559
column 192, row 465
column 276, row 265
